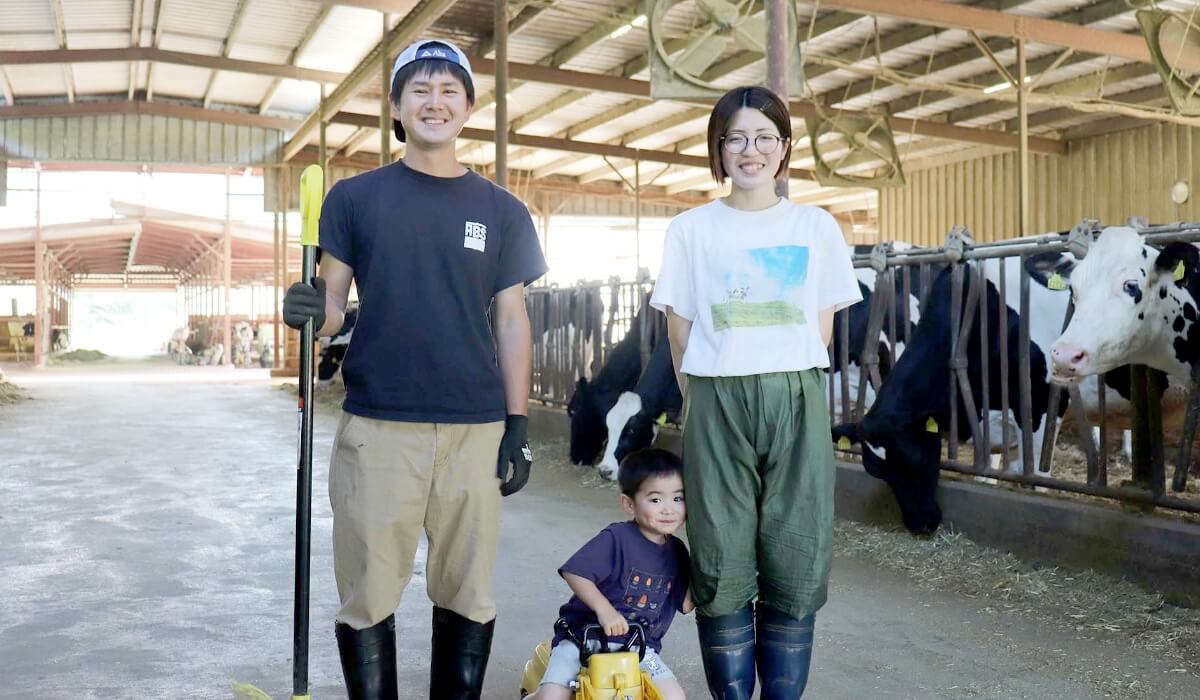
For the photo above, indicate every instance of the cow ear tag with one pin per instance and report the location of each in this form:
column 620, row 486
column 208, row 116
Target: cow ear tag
column 662, row 419
column 843, row 443
column 1056, row 282
column 1179, row 271
column 931, row 425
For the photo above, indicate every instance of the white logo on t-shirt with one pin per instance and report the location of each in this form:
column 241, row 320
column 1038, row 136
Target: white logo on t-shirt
column 475, row 237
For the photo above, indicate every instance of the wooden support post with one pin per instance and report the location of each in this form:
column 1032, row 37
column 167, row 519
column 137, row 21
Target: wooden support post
column 227, row 272
column 39, row 276
column 500, row 33
column 777, row 65
column 322, row 146
column 385, row 105
column 637, row 216
column 276, row 282
column 1023, row 223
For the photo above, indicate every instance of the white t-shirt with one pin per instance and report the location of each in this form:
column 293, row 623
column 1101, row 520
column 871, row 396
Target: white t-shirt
column 753, row 284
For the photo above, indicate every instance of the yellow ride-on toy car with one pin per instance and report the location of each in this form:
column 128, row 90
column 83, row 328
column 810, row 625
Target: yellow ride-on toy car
column 603, row 675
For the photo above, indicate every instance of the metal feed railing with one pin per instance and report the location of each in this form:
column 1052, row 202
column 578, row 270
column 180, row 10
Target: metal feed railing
column 575, row 329
column 1149, row 474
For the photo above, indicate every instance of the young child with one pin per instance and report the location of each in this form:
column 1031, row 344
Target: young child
column 632, row 571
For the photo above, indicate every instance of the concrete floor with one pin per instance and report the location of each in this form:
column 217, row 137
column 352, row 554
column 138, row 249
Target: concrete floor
column 146, row 517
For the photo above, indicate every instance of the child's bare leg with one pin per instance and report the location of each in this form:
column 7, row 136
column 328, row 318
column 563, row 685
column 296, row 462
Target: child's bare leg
column 553, row 691
column 670, row 689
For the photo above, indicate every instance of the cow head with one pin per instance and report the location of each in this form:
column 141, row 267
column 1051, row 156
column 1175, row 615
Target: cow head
column 588, row 429
column 1133, row 305
column 630, row 427
column 906, row 457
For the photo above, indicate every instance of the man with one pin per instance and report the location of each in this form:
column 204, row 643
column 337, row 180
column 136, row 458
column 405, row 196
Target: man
column 431, row 397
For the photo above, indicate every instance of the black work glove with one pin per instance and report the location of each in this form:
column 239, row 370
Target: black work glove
column 514, row 449
column 305, row 301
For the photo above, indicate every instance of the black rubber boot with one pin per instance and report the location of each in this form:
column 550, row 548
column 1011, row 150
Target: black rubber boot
column 460, row 656
column 784, row 653
column 727, row 650
column 369, row 660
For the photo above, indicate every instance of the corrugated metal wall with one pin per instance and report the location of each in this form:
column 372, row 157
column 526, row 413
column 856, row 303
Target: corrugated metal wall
column 138, row 138
column 1109, row 177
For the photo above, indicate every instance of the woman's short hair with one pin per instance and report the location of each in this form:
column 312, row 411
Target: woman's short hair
column 753, row 97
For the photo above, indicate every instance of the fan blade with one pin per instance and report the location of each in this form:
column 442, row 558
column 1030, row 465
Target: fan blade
column 719, row 11
column 751, row 34
column 700, row 54
column 1177, row 39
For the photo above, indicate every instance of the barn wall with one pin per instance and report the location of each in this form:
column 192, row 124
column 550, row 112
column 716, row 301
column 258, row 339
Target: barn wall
column 136, row 138
column 1109, row 177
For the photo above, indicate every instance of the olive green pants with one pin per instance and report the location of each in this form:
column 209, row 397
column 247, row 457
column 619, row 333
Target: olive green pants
column 759, row 474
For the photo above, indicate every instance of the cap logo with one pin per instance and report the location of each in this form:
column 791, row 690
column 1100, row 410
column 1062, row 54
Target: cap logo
column 433, row 52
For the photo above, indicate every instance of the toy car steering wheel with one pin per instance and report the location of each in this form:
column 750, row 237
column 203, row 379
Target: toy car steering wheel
column 594, row 632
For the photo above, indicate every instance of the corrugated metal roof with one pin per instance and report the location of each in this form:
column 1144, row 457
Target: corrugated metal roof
column 272, row 29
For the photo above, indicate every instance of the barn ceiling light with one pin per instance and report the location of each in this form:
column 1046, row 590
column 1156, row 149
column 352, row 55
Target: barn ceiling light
column 1002, row 86
column 639, row 21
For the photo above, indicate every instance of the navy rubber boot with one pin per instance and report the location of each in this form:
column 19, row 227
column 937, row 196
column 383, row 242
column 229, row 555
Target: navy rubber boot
column 784, row 653
column 727, row 650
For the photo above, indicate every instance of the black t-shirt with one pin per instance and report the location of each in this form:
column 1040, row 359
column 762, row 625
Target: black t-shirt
column 429, row 254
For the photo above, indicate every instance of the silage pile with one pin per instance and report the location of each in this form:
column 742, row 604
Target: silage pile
column 10, row 393
column 78, row 356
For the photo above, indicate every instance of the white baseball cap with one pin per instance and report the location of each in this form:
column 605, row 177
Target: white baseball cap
column 436, row 49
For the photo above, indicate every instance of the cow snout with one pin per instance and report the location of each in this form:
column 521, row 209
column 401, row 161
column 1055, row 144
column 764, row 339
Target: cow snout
column 1069, row 359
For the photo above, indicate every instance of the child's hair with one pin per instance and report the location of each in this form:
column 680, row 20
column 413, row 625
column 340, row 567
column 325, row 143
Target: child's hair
column 751, row 97
column 646, row 464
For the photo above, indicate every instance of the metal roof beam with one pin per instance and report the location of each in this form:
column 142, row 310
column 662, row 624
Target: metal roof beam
column 1049, row 31
column 949, row 59
column 60, row 35
column 165, row 109
column 527, row 14
column 235, row 26
column 799, row 109
column 309, row 32
column 153, row 55
column 135, row 40
column 1090, row 83
column 572, row 49
column 418, row 20
column 567, row 146
column 160, row 11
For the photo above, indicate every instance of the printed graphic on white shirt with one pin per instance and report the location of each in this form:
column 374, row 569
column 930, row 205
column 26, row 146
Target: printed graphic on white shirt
column 475, row 237
column 763, row 287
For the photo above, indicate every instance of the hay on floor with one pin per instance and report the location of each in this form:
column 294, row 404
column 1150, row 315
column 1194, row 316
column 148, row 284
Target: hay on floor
column 11, row 393
column 1083, row 602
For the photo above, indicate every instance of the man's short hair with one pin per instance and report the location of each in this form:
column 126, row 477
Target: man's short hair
column 427, row 59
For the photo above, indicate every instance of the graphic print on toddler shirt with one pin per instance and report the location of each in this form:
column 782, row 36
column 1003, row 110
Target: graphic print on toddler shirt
column 763, row 287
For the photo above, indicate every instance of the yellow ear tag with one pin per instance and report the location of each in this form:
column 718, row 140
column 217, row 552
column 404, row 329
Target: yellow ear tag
column 1056, row 282
column 1179, row 271
column 931, row 425
column 662, row 419
column 843, row 443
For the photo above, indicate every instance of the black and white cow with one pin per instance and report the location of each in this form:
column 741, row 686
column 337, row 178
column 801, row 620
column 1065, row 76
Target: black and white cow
column 1134, row 304
column 900, row 434
column 594, row 398
column 632, row 422
column 582, row 319
column 333, row 349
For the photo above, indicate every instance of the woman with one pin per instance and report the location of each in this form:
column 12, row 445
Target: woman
column 750, row 284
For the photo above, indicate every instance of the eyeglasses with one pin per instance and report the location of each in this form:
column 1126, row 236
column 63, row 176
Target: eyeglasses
column 765, row 144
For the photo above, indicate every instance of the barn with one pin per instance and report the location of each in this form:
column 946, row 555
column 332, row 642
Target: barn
column 1013, row 406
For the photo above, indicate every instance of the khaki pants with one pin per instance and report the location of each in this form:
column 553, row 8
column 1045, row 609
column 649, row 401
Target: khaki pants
column 387, row 479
